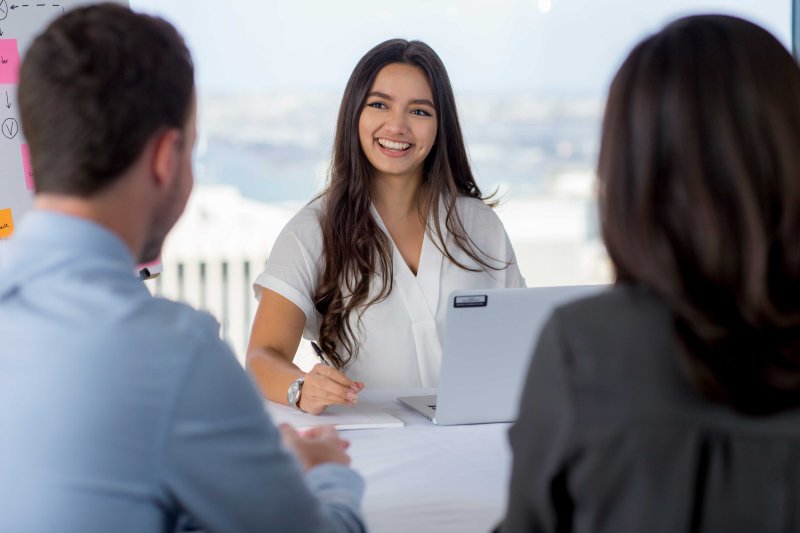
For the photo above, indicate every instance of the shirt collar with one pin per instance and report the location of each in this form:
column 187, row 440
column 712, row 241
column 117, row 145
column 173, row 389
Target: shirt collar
column 49, row 244
column 76, row 236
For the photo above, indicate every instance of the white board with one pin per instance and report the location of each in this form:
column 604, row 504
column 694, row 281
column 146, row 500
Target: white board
column 20, row 22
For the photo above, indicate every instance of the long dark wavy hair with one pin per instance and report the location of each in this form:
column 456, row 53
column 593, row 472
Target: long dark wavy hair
column 356, row 252
column 699, row 174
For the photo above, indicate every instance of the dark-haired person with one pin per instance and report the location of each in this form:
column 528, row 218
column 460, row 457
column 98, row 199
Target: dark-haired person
column 672, row 402
column 366, row 268
column 121, row 412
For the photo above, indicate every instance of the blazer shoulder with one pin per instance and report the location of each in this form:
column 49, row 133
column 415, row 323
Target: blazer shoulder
column 621, row 306
column 624, row 331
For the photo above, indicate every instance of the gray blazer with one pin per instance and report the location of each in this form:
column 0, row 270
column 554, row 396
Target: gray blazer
column 612, row 438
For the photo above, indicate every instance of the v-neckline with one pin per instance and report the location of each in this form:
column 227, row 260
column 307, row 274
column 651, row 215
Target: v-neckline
column 396, row 249
column 427, row 278
column 420, row 296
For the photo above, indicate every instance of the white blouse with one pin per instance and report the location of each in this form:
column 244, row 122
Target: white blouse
column 401, row 336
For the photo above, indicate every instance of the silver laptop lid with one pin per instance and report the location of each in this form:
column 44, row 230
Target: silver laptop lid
column 489, row 338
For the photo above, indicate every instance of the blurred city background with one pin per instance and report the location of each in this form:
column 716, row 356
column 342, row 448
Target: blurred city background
column 530, row 77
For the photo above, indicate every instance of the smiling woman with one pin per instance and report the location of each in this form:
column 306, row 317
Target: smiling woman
column 397, row 127
column 365, row 269
column 529, row 85
column 397, row 130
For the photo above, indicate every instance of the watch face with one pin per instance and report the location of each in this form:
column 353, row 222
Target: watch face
column 294, row 392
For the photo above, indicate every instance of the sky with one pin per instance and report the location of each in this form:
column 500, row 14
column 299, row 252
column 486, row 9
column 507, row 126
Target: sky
column 488, row 46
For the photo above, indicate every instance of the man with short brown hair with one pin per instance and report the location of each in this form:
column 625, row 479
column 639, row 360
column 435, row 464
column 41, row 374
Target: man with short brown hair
column 119, row 411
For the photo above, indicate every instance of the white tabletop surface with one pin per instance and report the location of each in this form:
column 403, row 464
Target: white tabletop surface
column 427, row 478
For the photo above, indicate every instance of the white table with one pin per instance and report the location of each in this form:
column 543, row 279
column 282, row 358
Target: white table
column 427, row 478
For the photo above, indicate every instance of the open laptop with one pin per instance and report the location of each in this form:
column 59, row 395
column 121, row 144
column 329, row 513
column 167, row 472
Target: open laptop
column 489, row 338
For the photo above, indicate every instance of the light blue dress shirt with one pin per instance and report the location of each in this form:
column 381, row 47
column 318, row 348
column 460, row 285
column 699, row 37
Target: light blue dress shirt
column 123, row 412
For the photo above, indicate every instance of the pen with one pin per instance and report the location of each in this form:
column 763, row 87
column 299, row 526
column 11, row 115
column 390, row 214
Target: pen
column 318, row 351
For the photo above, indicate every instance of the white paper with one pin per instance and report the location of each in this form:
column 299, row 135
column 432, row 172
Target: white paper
column 363, row 415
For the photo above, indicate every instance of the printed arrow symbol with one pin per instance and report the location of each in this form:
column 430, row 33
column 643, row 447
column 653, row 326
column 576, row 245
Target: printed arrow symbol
column 8, row 102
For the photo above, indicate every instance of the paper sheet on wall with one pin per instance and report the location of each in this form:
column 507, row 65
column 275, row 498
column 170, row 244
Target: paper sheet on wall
column 364, row 415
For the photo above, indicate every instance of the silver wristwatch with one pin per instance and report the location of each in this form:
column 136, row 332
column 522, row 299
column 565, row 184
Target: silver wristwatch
column 293, row 395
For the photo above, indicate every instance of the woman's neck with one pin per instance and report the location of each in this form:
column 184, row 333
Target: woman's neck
column 397, row 197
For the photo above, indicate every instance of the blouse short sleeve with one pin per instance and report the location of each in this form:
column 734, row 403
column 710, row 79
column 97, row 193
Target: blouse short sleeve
column 293, row 267
column 514, row 277
column 487, row 232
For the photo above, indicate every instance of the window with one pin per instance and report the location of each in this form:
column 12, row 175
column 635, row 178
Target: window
column 530, row 77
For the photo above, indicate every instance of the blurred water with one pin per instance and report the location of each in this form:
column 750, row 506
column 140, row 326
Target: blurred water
column 276, row 148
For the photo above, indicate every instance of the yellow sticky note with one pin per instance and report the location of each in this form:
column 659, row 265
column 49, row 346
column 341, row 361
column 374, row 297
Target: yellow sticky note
column 6, row 223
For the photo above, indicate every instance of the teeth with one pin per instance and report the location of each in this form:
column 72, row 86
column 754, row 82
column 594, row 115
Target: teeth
column 391, row 145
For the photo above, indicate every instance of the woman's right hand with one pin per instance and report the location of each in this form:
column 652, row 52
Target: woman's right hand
column 324, row 386
column 277, row 330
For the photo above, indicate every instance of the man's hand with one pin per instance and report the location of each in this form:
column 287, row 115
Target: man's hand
column 315, row 446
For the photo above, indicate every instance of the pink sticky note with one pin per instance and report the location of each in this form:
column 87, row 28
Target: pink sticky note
column 26, row 166
column 9, row 61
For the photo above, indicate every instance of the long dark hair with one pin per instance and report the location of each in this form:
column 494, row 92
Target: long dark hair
column 699, row 174
column 355, row 250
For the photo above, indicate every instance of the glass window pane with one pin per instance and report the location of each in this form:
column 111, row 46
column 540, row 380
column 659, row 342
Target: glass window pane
column 530, row 77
